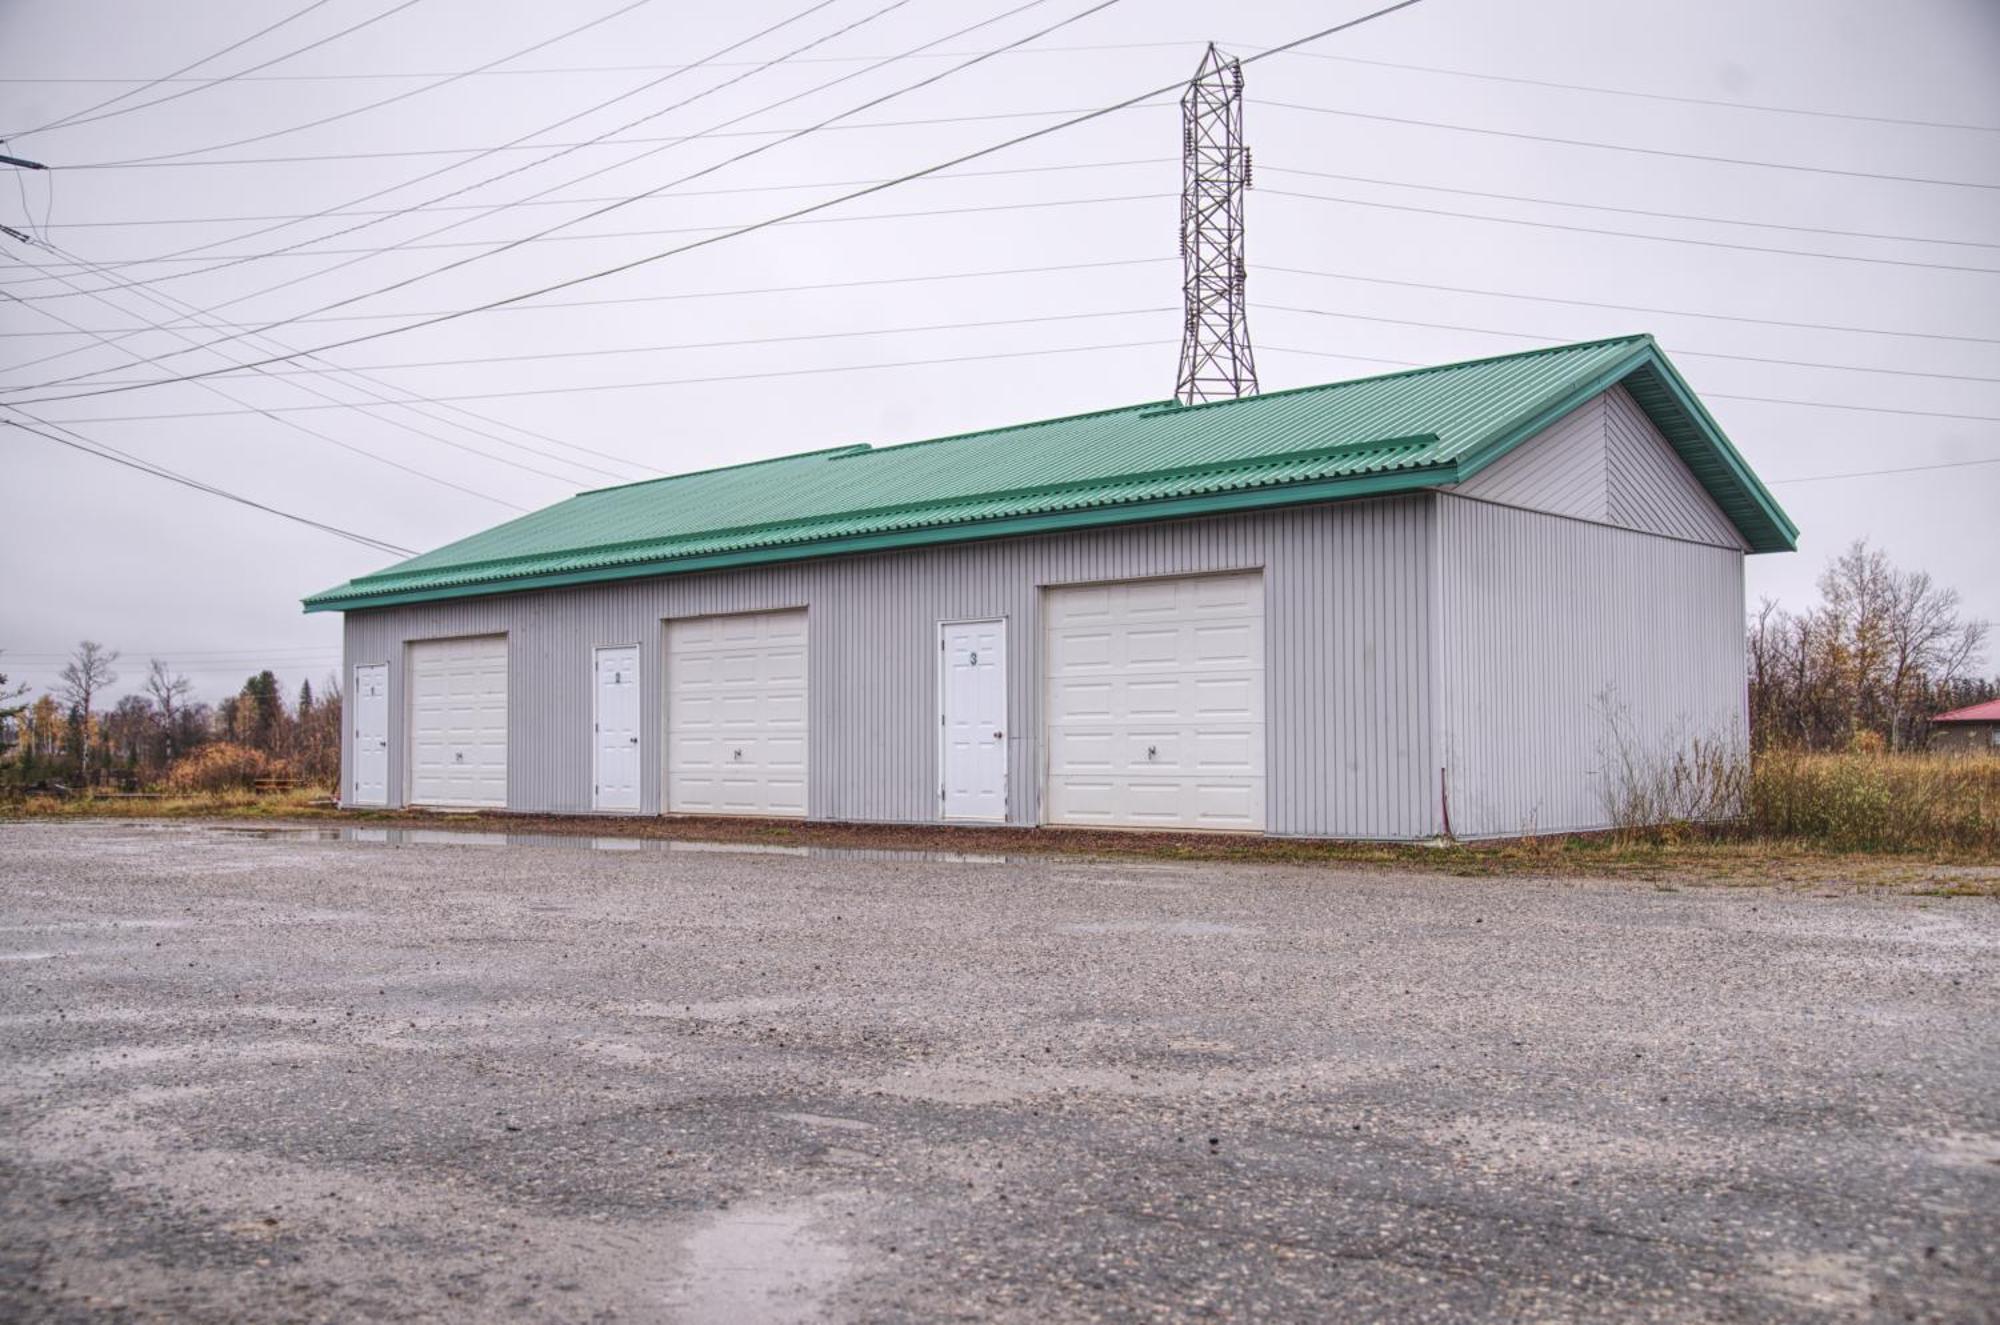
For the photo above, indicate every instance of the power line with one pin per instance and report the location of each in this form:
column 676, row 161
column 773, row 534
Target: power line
column 1680, row 99
column 703, row 380
column 507, row 246
column 545, row 355
column 1446, row 326
column 1630, row 234
column 1651, row 96
column 548, row 70
column 823, row 205
column 481, row 360
column 400, row 96
column 475, row 153
column 368, row 409
column 1698, row 354
column 564, row 149
column 1634, row 211
column 175, row 75
column 503, row 247
column 348, row 446
column 1055, row 168
column 677, row 296
column 89, row 447
column 673, row 296
column 73, row 122
column 1630, row 147
column 419, row 246
column 368, row 387
column 1877, row 473
column 377, row 193
column 1636, row 308
column 1706, row 395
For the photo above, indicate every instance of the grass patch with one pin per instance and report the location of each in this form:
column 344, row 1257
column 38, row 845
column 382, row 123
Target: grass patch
column 1878, row 802
column 1670, row 858
column 174, row 805
column 1913, row 821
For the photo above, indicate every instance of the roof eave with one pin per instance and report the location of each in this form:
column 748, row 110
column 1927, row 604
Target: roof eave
column 1179, row 508
column 1775, row 532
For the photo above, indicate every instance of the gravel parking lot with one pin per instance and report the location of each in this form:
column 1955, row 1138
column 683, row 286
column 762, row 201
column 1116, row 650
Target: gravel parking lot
column 276, row 1077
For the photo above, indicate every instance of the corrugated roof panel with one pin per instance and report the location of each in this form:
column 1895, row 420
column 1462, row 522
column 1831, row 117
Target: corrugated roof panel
column 1422, row 425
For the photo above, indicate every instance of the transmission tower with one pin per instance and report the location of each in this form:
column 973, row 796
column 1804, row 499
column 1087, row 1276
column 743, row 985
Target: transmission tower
column 1216, row 363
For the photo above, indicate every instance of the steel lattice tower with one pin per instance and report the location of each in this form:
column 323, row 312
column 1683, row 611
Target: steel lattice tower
column 1216, row 363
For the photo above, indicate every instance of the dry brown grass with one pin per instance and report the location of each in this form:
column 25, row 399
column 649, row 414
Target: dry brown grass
column 1878, row 802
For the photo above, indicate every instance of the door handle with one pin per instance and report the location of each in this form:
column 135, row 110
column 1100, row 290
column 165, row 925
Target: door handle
column 999, row 736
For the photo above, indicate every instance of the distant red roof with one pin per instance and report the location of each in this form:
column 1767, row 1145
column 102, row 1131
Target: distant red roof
column 1987, row 712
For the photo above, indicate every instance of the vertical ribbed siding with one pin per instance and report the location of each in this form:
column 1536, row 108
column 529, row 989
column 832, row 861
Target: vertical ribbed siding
column 1560, row 469
column 1551, row 625
column 1347, row 627
column 1650, row 487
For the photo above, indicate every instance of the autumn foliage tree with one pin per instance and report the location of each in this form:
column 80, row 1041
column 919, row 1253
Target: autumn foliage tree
column 1884, row 651
column 69, row 737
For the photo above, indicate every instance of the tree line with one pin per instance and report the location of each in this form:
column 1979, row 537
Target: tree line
column 1883, row 652
column 164, row 735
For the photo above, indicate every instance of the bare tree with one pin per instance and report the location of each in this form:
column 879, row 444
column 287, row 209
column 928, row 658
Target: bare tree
column 170, row 692
column 1929, row 648
column 1884, row 650
column 87, row 672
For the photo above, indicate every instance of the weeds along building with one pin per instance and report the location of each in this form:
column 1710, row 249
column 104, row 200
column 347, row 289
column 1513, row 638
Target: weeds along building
column 1465, row 598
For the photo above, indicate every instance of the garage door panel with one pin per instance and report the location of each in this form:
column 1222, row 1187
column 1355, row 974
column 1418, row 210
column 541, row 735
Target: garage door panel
column 1084, row 751
column 1080, row 605
column 1081, row 650
column 458, row 722
column 1148, row 599
column 1229, row 643
column 1153, row 699
column 1155, row 647
column 1213, row 750
column 1223, row 698
column 1154, row 703
column 737, row 731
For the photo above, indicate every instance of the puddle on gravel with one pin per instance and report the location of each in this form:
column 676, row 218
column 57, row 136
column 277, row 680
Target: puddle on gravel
column 414, row 837
column 770, row 1262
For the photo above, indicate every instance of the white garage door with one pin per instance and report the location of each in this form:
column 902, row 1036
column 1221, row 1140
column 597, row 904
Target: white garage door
column 1154, row 700
column 458, row 722
column 736, row 714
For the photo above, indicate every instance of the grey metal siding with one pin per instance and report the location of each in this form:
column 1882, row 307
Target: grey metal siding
column 1559, row 638
column 1650, row 487
column 1561, row 470
column 1347, row 636
column 1605, row 461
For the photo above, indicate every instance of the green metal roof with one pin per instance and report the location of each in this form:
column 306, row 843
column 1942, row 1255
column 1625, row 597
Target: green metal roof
column 1395, row 433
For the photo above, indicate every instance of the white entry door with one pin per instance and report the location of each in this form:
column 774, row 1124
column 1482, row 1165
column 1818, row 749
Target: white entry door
column 458, row 722
column 1154, row 700
column 972, row 690
column 615, row 729
column 736, row 714
column 369, row 784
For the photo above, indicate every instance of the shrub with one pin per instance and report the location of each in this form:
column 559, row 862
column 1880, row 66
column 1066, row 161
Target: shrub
column 1673, row 781
column 222, row 766
column 1699, row 782
column 1877, row 802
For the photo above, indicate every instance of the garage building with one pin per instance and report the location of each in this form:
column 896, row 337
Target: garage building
column 1454, row 599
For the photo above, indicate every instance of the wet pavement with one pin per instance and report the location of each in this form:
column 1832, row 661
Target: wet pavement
column 412, row 1074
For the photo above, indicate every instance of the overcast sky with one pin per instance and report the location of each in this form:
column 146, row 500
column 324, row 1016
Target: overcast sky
column 687, row 370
